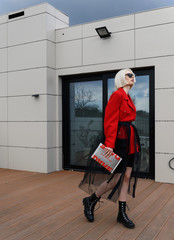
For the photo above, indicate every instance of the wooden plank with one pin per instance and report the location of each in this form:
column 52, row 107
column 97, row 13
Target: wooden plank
column 145, row 212
column 27, row 221
column 49, row 206
column 84, row 227
column 117, row 229
column 61, row 205
column 35, row 197
column 168, row 230
column 73, row 217
column 74, row 224
column 158, row 221
column 28, row 192
column 58, row 217
column 69, row 230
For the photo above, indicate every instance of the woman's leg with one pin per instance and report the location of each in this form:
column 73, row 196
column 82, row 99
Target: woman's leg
column 125, row 185
column 105, row 186
column 90, row 202
column 122, row 216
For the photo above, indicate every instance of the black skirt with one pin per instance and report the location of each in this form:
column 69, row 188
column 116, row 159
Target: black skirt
column 95, row 175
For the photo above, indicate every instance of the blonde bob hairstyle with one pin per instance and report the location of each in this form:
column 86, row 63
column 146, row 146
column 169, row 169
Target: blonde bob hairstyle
column 120, row 80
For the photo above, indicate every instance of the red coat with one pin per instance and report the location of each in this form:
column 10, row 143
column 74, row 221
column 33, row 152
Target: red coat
column 120, row 108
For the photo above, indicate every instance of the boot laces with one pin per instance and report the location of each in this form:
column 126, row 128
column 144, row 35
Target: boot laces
column 99, row 201
column 126, row 217
column 92, row 206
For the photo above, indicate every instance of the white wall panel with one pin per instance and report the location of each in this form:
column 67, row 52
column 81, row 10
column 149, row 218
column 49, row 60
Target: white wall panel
column 28, row 134
column 51, row 54
column 27, row 82
column 3, row 133
column 59, row 134
column 3, row 60
column 69, row 33
column 37, row 9
column 51, row 135
column 59, row 104
column 60, row 24
column 28, row 159
column 120, row 47
column 27, row 108
column 164, row 137
column 162, row 171
column 4, row 157
column 69, row 54
column 164, row 104
column 50, row 9
column 62, row 16
column 3, row 84
column 113, row 25
column 59, row 84
column 51, row 81
column 146, row 62
column 27, row 56
column 51, row 108
column 154, row 17
column 57, row 13
column 51, row 159
column 154, row 41
column 96, row 68
column 59, row 159
column 51, row 26
column 163, row 70
column 27, row 30
column 3, row 18
column 3, row 109
column 3, row 35
column 32, row 127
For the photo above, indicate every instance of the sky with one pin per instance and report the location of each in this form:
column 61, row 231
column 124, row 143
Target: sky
column 83, row 11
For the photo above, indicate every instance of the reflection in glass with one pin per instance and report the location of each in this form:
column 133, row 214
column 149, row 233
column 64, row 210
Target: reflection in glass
column 140, row 96
column 85, row 118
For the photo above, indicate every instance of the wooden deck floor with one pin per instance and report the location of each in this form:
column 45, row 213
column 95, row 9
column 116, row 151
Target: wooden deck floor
column 48, row 206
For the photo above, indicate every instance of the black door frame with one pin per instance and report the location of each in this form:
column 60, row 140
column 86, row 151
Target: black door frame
column 103, row 76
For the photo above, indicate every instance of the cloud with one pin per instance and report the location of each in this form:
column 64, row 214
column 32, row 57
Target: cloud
column 142, row 104
column 146, row 92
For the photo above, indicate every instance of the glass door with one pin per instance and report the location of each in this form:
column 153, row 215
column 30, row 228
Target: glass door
column 85, row 119
column 84, row 102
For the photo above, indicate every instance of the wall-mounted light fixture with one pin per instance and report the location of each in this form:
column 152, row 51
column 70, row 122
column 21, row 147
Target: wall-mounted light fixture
column 103, row 32
column 35, row 95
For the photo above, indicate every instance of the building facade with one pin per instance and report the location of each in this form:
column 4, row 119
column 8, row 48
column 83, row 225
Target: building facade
column 44, row 63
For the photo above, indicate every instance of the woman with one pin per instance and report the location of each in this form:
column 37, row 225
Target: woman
column 120, row 137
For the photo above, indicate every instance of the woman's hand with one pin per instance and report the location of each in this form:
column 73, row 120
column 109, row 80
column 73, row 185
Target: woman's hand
column 108, row 151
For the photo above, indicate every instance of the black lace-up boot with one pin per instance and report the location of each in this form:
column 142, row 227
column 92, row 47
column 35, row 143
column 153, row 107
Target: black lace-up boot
column 122, row 216
column 89, row 205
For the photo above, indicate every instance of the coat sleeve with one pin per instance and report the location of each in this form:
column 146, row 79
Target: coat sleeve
column 111, row 119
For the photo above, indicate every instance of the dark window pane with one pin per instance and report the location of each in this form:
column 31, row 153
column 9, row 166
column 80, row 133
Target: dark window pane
column 86, row 121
